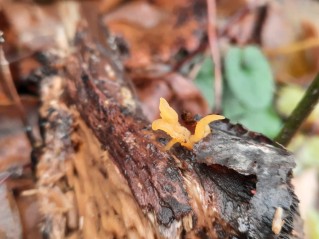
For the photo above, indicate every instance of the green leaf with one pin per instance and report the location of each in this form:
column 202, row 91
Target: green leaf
column 266, row 122
column 205, row 81
column 232, row 108
column 249, row 77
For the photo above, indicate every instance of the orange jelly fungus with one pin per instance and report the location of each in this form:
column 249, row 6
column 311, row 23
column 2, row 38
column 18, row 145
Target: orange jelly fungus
column 169, row 124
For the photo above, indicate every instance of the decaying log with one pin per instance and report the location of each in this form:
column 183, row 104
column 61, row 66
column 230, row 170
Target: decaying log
column 103, row 173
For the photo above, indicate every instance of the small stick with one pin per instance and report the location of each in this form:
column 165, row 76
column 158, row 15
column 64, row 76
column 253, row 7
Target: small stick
column 300, row 113
column 213, row 42
column 6, row 78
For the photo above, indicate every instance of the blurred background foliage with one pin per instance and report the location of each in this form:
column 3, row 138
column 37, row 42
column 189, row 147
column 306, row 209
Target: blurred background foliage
column 248, row 90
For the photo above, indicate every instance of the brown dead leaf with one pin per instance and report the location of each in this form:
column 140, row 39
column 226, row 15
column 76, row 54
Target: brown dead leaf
column 291, row 40
column 276, row 24
column 29, row 28
column 10, row 226
column 149, row 94
column 181, row 93
column 239, row 20
column 15, row 148
column 107, row 5
column 32, row 26
column 153, row 14
column 227, row 8
column 156, row 33
column 15, row 151
column 242, row 31
column 30, row 215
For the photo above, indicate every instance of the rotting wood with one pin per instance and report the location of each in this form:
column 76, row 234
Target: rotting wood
column 103, row 173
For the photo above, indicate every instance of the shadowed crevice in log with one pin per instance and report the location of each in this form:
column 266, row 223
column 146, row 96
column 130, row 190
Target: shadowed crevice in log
column 231, row 193
column 235, row 186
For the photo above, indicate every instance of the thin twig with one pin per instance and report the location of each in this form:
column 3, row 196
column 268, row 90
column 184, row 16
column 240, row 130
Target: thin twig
column 300, row 113
column 6, row 78
column 213, row 42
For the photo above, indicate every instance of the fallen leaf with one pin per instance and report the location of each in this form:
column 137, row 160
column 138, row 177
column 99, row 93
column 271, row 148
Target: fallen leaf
column 170, row 28
column 294, row 56
column 180, row 92
column 205, row 81
column 249, row 76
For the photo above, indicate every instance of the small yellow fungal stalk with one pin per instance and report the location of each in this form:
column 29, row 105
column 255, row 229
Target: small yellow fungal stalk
column 169, row 124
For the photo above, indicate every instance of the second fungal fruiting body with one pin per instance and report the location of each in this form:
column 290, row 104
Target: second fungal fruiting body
column 169, row 124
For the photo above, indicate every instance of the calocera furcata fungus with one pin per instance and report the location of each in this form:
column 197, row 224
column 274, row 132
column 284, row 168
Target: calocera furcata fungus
column 169, row 124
